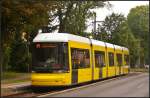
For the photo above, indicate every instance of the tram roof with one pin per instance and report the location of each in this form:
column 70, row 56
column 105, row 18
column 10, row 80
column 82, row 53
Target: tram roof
column 118, row 47
column 109, row 45
column 65, row 37
column 59, row 37
column 96, row 42
column 124, row 48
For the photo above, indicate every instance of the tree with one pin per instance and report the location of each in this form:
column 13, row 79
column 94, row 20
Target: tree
column 110, row 26
column 125, row 37
column 18, row 55
column 27, row 16
column 138, row 21
column 72, row 15
column 18, row 17
column 116, row 25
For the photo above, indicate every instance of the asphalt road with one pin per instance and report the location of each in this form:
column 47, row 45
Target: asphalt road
column 133, row 86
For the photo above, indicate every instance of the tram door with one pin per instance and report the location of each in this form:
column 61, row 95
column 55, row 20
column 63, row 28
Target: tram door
column 101, row 72
column 74, row 76
column 119, row 60
column 119, row 69
column 100, row 62
column 74, row 59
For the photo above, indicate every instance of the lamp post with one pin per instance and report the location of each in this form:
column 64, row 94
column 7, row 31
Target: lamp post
column 28, row 43
column 25, row 37
column 94, row 24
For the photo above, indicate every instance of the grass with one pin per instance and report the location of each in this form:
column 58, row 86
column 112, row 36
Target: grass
column 14, row 81
column 139, row 70
column 14, row 77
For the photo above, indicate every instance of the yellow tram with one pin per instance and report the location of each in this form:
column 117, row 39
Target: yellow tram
column 61, row 59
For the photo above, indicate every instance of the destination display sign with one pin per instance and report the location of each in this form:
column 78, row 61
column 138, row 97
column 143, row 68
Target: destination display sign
column 45, row 45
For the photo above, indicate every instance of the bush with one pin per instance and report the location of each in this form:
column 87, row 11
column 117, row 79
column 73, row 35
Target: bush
column 19, row 59
column 6, row 57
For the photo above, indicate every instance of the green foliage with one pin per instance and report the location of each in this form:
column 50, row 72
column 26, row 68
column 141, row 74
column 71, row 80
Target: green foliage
column 11, row 76
column 138, row 21
column 18, row 55
column 125, row 37
column 22, row 16
column 112, row 23
column 112, row 30
column 110, row 27
column 17, row 17
column 139, row 70
column 72, row 15
column 6, row 59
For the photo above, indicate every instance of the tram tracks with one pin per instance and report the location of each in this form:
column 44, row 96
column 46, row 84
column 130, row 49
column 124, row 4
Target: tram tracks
column 34, row 92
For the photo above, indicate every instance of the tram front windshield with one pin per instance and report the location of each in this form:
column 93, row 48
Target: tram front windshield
column 50, row 58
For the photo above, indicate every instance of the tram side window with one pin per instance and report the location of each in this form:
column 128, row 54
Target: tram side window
column 111, row 59
column 80, row 58
column 119, row 59
column 99, row 59
column 126, row 57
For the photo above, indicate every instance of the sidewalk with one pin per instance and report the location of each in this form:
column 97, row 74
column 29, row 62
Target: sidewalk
column 15, row 85
column 13, row 88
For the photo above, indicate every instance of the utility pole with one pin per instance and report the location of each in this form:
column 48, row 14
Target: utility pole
column 94, row 24
column 25, row 37
column 28, row 43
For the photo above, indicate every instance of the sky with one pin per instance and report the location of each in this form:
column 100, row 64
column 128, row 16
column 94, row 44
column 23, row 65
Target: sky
column 122, row 7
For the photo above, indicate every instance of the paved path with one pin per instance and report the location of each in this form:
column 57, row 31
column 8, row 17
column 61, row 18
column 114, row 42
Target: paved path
column 133, row 86
column 15, row 85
